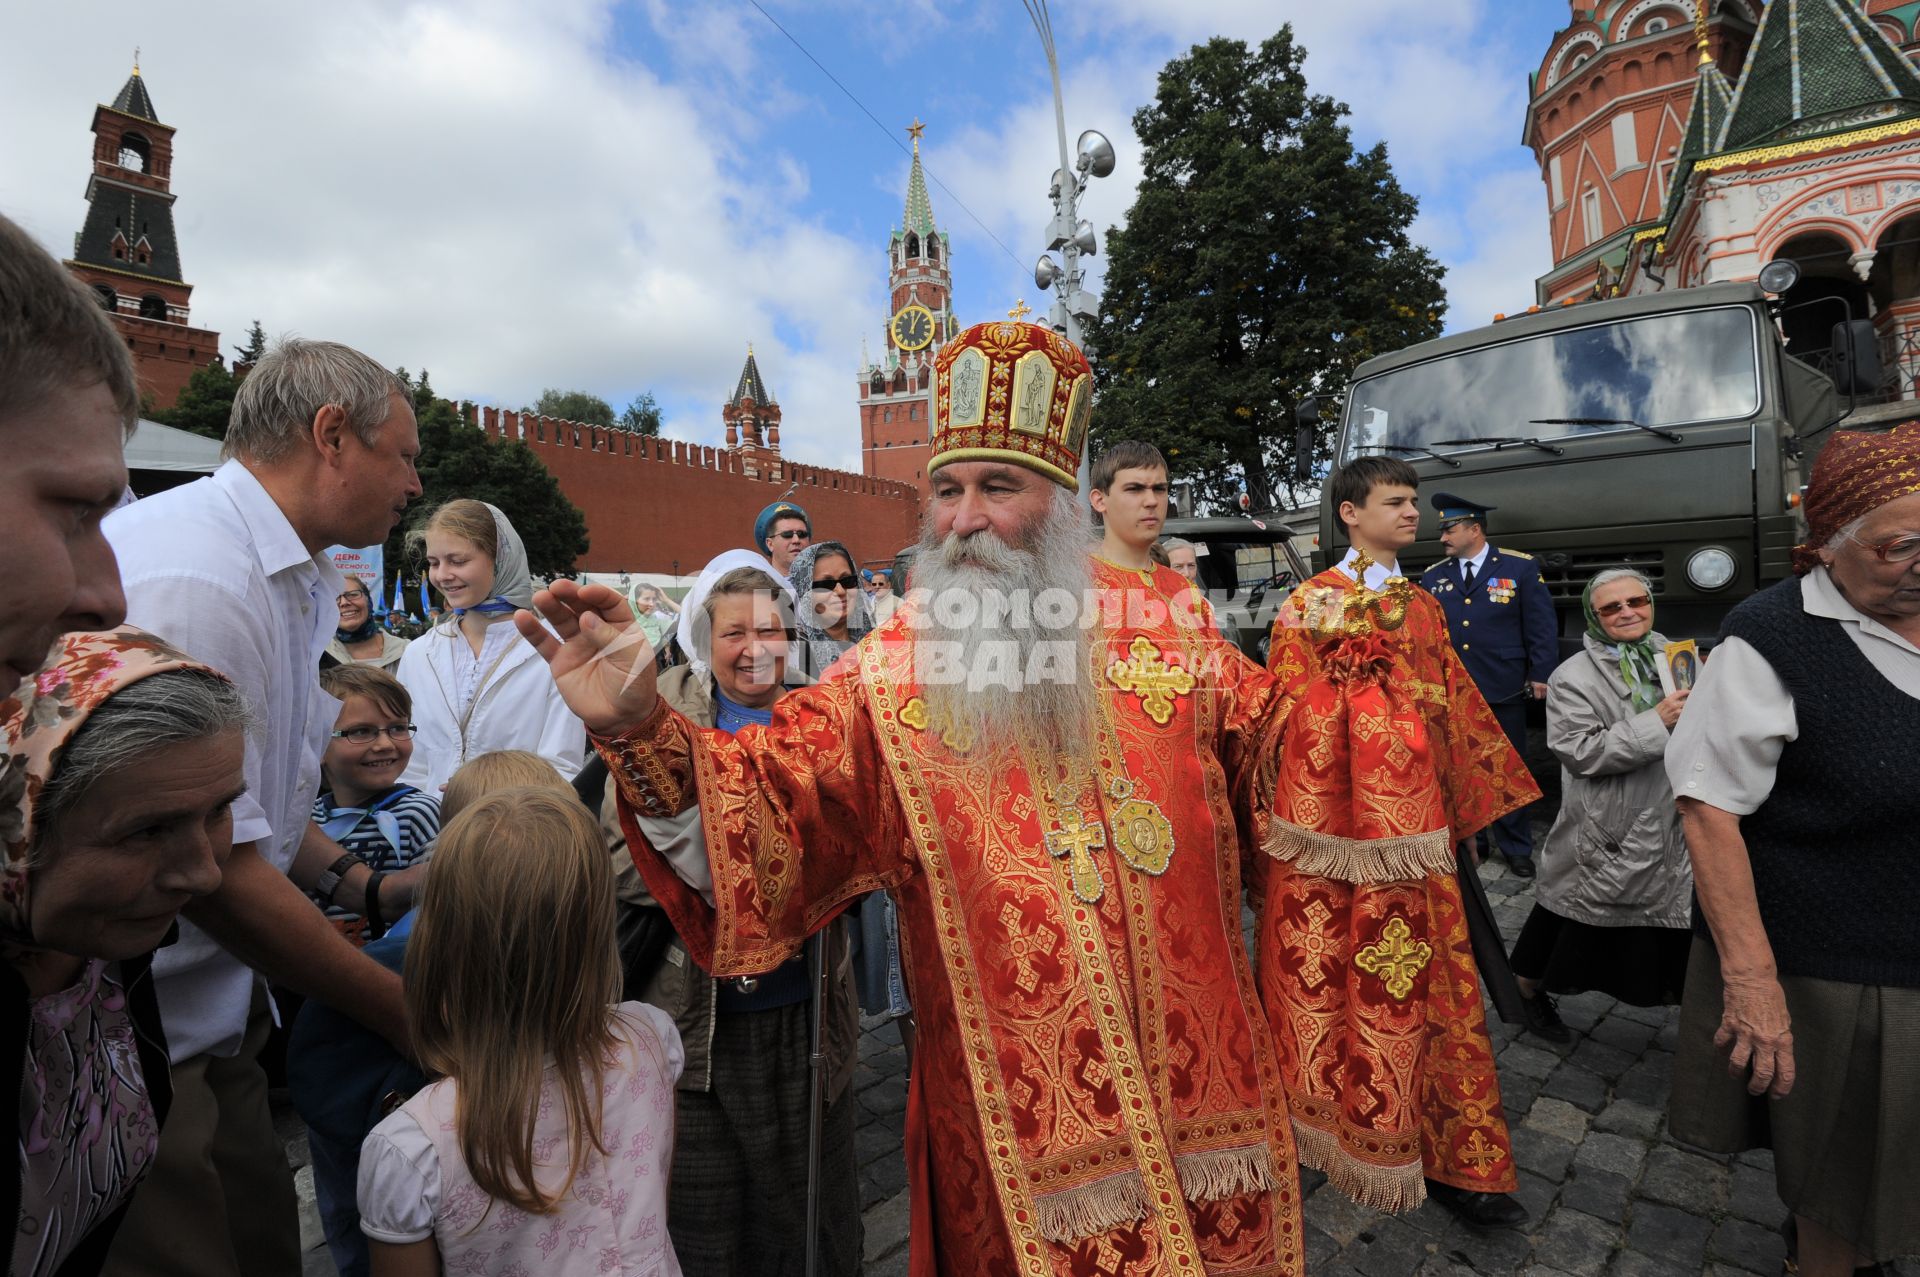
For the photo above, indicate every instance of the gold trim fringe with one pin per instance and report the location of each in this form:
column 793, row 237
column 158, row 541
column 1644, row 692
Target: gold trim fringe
column 1089, row 1209
column 1384, row 1188
column 1361, row 859
column 1226, row 1172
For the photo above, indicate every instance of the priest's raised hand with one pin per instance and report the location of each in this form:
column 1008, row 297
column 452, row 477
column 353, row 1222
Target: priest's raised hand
column 600, row 657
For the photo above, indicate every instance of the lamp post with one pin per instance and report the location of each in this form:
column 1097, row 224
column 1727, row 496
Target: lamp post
column 1073, row 306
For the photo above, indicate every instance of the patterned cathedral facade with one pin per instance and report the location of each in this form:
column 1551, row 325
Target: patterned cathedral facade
column 1688, row 142
column 126, row 250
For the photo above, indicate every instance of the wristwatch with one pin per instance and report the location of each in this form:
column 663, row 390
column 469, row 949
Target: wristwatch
column 329, row 882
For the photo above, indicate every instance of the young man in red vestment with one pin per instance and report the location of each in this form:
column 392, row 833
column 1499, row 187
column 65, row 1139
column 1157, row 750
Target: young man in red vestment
column 1391, row 757
column 1054, row 798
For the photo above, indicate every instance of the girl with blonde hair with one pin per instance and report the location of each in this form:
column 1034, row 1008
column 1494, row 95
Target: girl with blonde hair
column 545, row 1146
column 475, row 684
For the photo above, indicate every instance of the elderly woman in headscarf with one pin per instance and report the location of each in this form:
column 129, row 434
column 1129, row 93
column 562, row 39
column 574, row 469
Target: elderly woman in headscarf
column 1612, row 907
column 1795, row 770
column 831, row 612
column 477, row 686
column 740, row 1144
column 122, row 760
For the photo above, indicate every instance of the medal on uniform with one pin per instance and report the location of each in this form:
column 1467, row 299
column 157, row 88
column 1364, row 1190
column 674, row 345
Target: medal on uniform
column 1142, row 834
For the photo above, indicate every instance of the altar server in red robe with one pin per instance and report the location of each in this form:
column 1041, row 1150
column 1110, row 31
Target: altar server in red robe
column 1391, row 757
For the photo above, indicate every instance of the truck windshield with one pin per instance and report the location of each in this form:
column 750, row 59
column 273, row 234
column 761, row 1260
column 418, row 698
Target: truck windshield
column 1661, row 370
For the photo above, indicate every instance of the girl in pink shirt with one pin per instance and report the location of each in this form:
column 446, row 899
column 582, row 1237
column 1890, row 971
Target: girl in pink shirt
column 544, row 1147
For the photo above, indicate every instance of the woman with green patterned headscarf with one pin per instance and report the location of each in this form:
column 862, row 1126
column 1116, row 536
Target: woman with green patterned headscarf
column 1613, row 901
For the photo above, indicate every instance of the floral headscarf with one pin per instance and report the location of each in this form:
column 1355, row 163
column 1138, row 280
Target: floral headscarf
column 82, row 673
column 1639, row 666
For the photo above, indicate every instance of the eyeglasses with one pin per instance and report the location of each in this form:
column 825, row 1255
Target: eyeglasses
column 793, row 534
column 824, row 584
column 367, row 735
column 349, row 597
column 1898, row 550
column 1636, row 602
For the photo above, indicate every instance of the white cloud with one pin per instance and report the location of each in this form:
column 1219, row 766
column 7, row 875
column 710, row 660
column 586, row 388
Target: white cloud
column 478, row 191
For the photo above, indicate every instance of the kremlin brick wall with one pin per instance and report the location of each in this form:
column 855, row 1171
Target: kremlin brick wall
column 650, row 502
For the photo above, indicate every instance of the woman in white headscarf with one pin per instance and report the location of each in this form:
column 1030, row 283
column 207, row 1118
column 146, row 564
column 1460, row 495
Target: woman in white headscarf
column 740, row 1147
column 475, row 684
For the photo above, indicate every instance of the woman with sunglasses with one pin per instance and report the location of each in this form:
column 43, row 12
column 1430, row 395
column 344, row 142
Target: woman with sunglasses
column 833, row 612
column 360, row 640
column 1612, row 907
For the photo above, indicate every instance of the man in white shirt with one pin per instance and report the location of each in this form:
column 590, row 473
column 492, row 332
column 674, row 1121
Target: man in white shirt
column 67, row 403
column 233, row 570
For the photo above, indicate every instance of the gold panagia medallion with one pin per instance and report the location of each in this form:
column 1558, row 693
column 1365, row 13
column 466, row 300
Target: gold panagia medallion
column 1142, row 834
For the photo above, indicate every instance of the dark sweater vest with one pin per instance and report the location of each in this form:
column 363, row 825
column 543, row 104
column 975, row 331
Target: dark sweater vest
column 1836, row 846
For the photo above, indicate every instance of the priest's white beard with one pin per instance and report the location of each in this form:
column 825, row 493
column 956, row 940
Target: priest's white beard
column 1002, row 645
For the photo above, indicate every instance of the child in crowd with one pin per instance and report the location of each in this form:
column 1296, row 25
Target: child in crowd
column 344, row 1078
column 362, row 805
column 546, row 1145
column 502, row 769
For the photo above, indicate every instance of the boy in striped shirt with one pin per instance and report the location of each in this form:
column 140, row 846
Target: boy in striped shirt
column 362, row 805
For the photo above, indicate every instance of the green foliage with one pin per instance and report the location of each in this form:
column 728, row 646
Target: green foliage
column 256, row 345
column 1263, row 259
column 642, row 416
column 457, row 460
column 574, row 405
column 204, row 404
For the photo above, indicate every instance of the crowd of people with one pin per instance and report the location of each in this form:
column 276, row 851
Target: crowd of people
column 570, row 905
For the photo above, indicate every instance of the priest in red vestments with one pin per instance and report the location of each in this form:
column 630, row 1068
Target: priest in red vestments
column 1048, row 760
column 1391, row 756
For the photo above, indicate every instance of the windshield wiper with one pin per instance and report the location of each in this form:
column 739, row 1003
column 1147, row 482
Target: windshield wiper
column 1606, row 421
column 1418, row 452
column 1505, row 441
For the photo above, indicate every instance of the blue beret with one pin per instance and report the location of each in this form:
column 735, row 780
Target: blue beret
column 778, row 510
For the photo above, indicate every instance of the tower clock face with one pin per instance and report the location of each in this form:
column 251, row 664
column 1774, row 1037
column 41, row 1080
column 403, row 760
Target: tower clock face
column 912, row 328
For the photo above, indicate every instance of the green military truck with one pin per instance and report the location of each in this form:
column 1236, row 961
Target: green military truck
column 1670, row 433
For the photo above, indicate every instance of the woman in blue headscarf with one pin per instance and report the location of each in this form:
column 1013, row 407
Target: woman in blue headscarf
column 1613, row 903
column 475, row 684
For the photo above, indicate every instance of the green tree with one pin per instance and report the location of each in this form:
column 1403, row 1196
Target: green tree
column 1263, row 258
column 574, row 405
column 642, row 416
column 204, row 404
column 256, row 346
column 457, row 460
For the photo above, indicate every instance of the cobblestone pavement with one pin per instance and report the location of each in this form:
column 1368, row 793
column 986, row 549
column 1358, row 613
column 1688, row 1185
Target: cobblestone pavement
column 1608, row 1190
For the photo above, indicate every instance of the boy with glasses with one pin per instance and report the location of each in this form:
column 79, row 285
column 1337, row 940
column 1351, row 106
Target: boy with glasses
column 378, row 822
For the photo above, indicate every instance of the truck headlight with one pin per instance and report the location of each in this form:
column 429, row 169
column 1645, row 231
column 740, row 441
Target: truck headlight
column 1711, row 568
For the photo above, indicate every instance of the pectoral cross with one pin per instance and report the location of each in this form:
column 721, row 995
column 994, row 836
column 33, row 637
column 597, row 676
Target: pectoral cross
column 1145, row 675
column 1074, row 842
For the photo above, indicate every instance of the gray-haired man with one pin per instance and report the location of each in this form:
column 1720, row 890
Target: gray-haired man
column 233, row 569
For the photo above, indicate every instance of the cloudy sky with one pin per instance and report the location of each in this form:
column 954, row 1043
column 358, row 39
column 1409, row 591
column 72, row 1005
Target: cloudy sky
column 619, row 196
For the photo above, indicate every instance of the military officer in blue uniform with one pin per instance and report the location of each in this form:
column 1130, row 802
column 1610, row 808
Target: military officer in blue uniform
column 1502, row 623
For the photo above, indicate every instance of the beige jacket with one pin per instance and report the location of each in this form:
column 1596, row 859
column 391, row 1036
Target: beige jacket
column 680, row 987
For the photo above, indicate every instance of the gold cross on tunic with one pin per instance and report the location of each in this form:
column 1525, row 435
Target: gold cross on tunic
column 1074, row 842
column 1151, row 679
column 1396, row 958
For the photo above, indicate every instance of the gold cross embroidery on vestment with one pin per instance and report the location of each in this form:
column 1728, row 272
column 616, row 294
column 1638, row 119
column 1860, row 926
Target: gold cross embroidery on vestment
column 1396, row 958
column 1148, row 676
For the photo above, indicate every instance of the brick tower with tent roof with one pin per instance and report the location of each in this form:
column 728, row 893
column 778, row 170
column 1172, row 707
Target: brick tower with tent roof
column 126, row 250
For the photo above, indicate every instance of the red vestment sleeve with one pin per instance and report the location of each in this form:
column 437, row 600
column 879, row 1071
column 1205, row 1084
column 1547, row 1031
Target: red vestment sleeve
column 797, row 816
